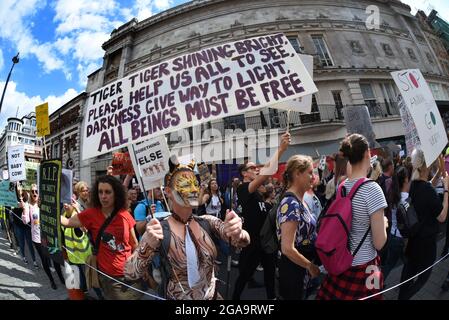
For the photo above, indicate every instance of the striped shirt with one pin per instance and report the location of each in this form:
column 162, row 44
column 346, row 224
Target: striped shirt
column 368, row 199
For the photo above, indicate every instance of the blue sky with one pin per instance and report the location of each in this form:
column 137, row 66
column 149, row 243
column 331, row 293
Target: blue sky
column 60, row 44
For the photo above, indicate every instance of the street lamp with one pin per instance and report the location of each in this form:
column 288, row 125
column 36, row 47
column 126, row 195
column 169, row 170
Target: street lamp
column 14, row 61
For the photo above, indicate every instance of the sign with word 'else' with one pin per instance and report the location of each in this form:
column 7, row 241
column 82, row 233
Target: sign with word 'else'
column 419, row 100
column 150, row 161
column 16, row 163
column 202, row 86
column 411, row 134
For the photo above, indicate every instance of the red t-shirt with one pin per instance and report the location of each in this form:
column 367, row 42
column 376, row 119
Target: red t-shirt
column 115, row 245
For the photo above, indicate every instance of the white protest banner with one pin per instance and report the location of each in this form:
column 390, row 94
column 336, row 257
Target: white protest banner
column 150, row 161
column 358, row 120
column 206, row 85
column 422, row 107
column 303, row 104
column 16, row 163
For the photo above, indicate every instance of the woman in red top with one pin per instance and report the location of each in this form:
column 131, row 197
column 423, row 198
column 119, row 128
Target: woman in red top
column 118, row 240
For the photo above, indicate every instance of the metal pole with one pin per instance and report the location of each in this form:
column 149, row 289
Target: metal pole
column 14, row 61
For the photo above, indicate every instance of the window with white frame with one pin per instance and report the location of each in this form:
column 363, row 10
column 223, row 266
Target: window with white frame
column 295, row 44
column 322, row 50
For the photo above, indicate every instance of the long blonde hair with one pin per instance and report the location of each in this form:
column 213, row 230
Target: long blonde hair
column 418, row 163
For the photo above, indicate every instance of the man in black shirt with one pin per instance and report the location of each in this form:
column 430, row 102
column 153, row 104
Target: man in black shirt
column 254, row 213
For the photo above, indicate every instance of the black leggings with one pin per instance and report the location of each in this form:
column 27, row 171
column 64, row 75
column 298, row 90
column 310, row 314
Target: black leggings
column 249, row 260
column 46, row 264
column 291, row 280
column 420, row 254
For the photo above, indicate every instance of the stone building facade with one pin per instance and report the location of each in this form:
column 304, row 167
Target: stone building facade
column 352, row 60
column 20, row 131
column 65, row 134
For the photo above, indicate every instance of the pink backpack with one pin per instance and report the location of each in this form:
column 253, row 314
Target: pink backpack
column 332, row 243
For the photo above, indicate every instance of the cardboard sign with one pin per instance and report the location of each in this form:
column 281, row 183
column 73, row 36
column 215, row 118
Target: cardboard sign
column 201, row 86
column 303, row 104
column 358, row 120
column 50, row 208
column 204, row 172
column 423, row 110
column 121, row 163
column 150, row 159
column 42, row 120
column 322, row 164
column 16, row 163
column 8, row 195
column 31, row 169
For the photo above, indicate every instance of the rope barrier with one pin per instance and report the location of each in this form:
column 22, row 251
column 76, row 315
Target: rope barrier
column 401, row 283
column 99, row 271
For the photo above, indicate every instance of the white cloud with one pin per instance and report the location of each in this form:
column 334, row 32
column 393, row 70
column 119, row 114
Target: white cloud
column 15, row 98
column 142, row 9
column 88, row 45
column 15, row 21
column 86, row 69
column 162, row 4
column 64, row 45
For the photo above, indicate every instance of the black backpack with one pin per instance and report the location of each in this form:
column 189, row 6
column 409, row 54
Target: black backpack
column 268, row 233
column 407, row 219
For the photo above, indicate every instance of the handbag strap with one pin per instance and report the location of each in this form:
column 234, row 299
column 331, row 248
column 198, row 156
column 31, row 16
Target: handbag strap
column 100, row 232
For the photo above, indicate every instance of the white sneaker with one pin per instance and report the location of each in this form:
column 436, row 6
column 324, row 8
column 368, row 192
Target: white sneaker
column 259, row 268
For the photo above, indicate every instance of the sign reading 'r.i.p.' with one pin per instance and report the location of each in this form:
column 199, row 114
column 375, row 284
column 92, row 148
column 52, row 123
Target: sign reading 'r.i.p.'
column 16, row 163
column 419, row 100
column 209, row 84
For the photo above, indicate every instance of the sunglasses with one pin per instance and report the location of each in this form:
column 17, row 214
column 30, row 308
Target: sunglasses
column 34, row 191
column 250, row 168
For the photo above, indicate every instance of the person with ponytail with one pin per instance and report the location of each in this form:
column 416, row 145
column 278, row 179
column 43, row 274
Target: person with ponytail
column 367, row 231
column 421, row 249
column 399, row 192
column 112, row 228
column 296, row 229
column 190, row 250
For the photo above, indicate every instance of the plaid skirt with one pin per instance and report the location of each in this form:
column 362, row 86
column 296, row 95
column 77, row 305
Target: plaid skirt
column 353, row 284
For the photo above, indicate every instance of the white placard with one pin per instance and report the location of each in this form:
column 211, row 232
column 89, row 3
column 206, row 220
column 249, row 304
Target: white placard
column 206, row 85
column 322, row 164
column 303, row 104
column 150, row 161
column 420, row 103
column 16, row 163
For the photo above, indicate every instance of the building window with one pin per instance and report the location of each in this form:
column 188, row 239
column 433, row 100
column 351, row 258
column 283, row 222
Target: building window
column 338, row 104
column 356, row 47
column 295, row 44
column 387, row 49
column 437, row 93
column 322, row 50
column 56, row 151
column 235, row 122
column 429, row 58
column 370, row 99
column 411, row 54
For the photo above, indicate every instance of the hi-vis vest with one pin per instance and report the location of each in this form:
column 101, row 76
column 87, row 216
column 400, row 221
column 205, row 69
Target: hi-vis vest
column 2, row 213
column 78, row 248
